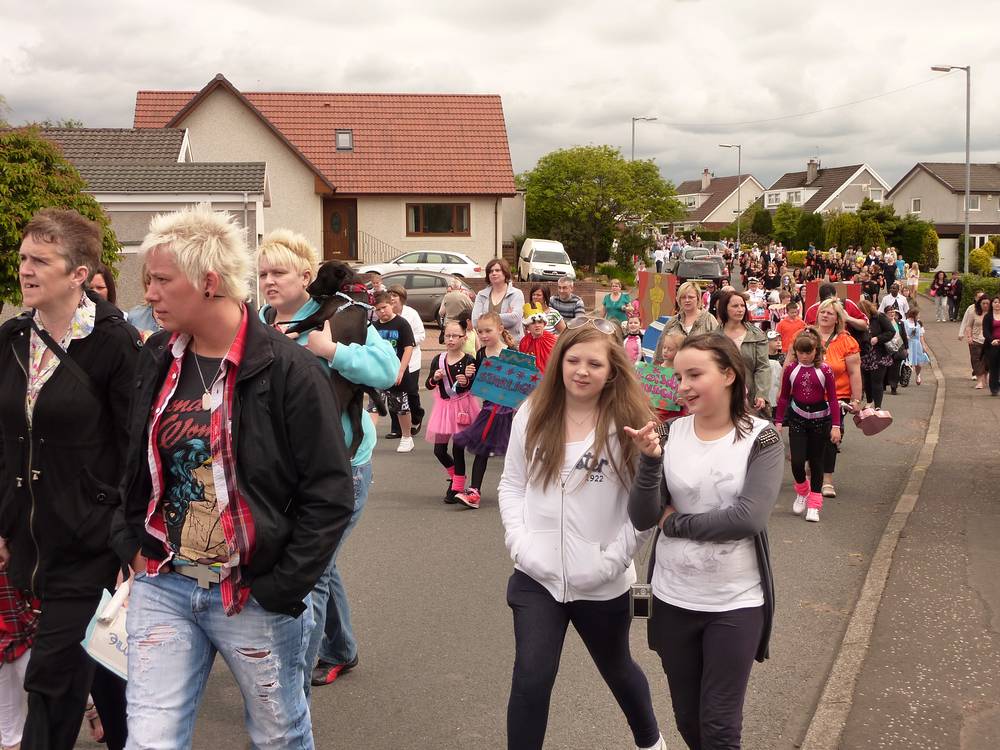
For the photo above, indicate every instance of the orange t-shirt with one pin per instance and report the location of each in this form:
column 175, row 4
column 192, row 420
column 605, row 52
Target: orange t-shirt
column 836, row 352
column 788, row 329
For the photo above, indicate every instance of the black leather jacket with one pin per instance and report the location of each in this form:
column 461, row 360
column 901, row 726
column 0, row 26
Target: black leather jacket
column 291, row 464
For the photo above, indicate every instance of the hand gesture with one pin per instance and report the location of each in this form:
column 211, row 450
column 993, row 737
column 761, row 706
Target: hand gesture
column 470, row 371
column 646, row 439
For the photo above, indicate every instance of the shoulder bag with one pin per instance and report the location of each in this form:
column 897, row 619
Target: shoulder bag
column 67, row 360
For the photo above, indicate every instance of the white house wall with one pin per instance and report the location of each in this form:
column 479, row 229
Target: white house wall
column 726, row 211
column 385, row 218
column 221, row 128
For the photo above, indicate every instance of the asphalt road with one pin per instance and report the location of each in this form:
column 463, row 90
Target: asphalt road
column 427, row 586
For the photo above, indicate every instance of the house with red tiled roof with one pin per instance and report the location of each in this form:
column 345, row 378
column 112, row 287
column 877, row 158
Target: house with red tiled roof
column 935, row 192
column 821, row 189
column 713, row 202
column 363, row 176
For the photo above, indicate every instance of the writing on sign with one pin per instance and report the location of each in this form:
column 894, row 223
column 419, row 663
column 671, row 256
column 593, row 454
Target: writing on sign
column 660, row 384
column 506, row 382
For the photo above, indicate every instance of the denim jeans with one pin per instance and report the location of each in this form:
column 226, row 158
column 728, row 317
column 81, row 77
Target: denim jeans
column 175, row 628
column 332, row 638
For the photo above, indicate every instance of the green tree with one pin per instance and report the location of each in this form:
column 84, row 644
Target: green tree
column 871, row 234
column 930, row 246
column 883, row 214
column 786, row 224
column 588, row 195
column 979, row 261
column 34, row 175
column 810, row 230
column 843, row 231
column 762, row 223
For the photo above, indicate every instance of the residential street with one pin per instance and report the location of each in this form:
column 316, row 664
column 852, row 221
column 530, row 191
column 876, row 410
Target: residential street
column 427, row 583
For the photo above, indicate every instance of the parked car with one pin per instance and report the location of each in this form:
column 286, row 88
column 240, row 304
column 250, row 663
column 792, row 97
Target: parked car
column 455, row 264
column 994, row 266
column 544, row 260
column 424, row 290
column 699, row 255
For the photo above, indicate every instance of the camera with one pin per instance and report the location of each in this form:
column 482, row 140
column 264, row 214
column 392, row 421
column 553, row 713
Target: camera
column 640, row 601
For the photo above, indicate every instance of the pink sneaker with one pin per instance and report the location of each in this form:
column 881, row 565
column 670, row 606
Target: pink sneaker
column 469, row 498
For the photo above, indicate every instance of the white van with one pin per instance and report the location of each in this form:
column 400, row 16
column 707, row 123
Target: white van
column 544, row 260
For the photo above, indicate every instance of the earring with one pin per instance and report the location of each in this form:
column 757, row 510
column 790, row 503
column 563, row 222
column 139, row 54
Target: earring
column 207, row 295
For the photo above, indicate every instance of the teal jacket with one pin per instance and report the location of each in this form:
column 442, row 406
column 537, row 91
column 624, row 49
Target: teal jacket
column 373, row 364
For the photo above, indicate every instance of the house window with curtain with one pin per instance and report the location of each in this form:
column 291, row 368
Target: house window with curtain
column 437, row 219
column 773, row 199
column 973, row 202
column 914, row 205
column 875, row 194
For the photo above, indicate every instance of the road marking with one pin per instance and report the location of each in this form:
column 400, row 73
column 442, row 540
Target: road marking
column 830, row 718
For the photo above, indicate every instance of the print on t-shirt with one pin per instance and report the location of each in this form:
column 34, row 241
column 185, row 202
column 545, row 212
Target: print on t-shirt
column 194, row 528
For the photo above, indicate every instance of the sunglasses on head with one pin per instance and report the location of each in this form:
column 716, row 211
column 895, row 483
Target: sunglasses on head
column 601, row 324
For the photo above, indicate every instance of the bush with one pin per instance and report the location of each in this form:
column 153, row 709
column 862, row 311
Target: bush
column 762, row 223
column 614, row 271
column 979, row 261
column 796, row 257
column 972, row 284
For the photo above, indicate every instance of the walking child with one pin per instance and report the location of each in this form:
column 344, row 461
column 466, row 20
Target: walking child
column 536, row 341
column 808, row 405
column 915, row 335
column 490, row 430
column 394, row 329
column 454, row 407
column 633, row 335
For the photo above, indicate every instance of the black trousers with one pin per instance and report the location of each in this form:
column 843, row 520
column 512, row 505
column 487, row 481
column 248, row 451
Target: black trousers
column 479, row 471
column 108, row 692
column 412, row 382
column 447, row 461
column 540, row 624
column 707, row 658
column 874, row 385
column 807, row 440
column 59, row 673
column 892, row 374
column 992, row 357
column 831, row 450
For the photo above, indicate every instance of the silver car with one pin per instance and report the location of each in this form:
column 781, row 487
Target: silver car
column 424, row 290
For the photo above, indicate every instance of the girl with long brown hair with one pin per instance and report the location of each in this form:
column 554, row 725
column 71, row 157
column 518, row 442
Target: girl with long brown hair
column 563, row 502
column 710, row 489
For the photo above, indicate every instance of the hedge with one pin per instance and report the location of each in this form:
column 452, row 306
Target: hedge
column 796, row 257
column 972, row 283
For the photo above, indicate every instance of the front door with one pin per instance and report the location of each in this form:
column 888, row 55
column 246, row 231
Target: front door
column 340, row 229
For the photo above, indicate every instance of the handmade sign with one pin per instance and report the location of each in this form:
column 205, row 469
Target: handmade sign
column 660, row 384
column 657, row 293
column 507, row 379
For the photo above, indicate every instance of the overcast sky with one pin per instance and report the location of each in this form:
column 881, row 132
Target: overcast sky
column 570, row 73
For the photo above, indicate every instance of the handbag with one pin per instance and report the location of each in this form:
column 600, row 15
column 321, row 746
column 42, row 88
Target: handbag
column 895, row 343
column 872, row 421
column 905, row 371
column 462, row 417
column 106, row 639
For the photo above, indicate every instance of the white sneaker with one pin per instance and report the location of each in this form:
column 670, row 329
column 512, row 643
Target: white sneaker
column 405, row 445
column 799, row 505
column 661, row 745
column 812, row 515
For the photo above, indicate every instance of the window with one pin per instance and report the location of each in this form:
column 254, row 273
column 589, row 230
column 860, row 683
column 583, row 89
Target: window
column 914, row 205
column 345, row 140
column 773, row 199
column 689, row 201
column 875, row 194
column 438, row 258
column 425, row 281
column 409, row 258
column 437, row 219
column 973, row 202
column 795, row 197
column 849, row 206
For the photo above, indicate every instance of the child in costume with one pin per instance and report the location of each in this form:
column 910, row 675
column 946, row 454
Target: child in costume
column 536, row 341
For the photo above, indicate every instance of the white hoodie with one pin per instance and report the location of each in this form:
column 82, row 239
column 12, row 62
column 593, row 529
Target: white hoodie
column 573, row 537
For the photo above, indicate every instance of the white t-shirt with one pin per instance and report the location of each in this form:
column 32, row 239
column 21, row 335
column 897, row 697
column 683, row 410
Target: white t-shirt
column 412, row 317
column 704, row 476
column 658, row 255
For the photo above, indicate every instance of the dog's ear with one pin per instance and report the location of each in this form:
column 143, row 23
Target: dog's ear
column 332, row 277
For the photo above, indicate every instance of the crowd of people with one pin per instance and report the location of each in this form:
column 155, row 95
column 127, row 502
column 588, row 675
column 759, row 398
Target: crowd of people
column 194, row 449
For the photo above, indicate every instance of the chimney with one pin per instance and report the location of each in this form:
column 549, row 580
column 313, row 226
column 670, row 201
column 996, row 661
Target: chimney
column 706, row 179
column 812, row 171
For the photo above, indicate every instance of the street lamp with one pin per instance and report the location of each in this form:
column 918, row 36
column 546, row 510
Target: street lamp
column 739, row 184
column 968, row 165
column 644, row 119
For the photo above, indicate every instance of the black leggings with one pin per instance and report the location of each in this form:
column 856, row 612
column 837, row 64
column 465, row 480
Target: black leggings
column 441, row 454
column 831, row 450
column 707, row 658
column 540, row 624
column 807, row 441
column 874, row 385
column 479, row 471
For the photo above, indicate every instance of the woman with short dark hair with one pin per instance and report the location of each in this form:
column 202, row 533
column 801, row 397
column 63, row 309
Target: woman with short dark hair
column 502, row 297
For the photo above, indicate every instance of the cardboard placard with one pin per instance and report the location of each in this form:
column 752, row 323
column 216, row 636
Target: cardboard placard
column 657, row 295
column 506, row 380
column 660, row 384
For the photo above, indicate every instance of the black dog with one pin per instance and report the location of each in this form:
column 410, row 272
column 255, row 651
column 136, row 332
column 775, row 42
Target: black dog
column 348, row 316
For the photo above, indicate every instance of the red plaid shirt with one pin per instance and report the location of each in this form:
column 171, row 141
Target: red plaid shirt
column 237, row 522
column 18, row 622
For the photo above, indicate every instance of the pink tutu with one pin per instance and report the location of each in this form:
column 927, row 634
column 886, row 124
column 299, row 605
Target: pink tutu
column 444, row 421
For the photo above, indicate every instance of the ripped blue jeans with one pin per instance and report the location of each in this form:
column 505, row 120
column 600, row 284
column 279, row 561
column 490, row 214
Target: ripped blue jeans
column 175, row 628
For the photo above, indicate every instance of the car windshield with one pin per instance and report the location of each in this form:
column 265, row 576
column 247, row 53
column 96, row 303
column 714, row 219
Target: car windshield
column 549, row 256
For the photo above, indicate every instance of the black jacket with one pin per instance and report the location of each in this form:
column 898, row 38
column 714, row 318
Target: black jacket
column 880, row 327
column 58, row 479
column 291, row 464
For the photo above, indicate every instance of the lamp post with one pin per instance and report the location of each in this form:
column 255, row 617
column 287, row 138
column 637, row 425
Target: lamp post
column 644, row 119
column 739, row 184
column 968, row 165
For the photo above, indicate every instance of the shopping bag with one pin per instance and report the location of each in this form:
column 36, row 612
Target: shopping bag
column 905, row 371
column 106, row 640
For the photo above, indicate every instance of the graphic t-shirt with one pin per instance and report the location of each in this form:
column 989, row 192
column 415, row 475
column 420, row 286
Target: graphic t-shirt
column 398, row 333
column 193, row 522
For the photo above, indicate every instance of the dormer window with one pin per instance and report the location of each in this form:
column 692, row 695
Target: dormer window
column 345, row 140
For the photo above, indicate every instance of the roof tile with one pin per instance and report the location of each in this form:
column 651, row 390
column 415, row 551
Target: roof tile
column 117, row 145
column 191, row 177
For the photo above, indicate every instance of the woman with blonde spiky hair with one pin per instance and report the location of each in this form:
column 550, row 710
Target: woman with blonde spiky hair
column 226, row 547
column 286, row 264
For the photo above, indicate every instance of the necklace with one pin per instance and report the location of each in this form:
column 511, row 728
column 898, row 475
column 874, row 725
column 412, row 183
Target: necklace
column 580, row 422
column 206, row 396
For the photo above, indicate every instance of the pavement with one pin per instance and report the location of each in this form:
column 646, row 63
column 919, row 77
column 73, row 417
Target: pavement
column 427, row 582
